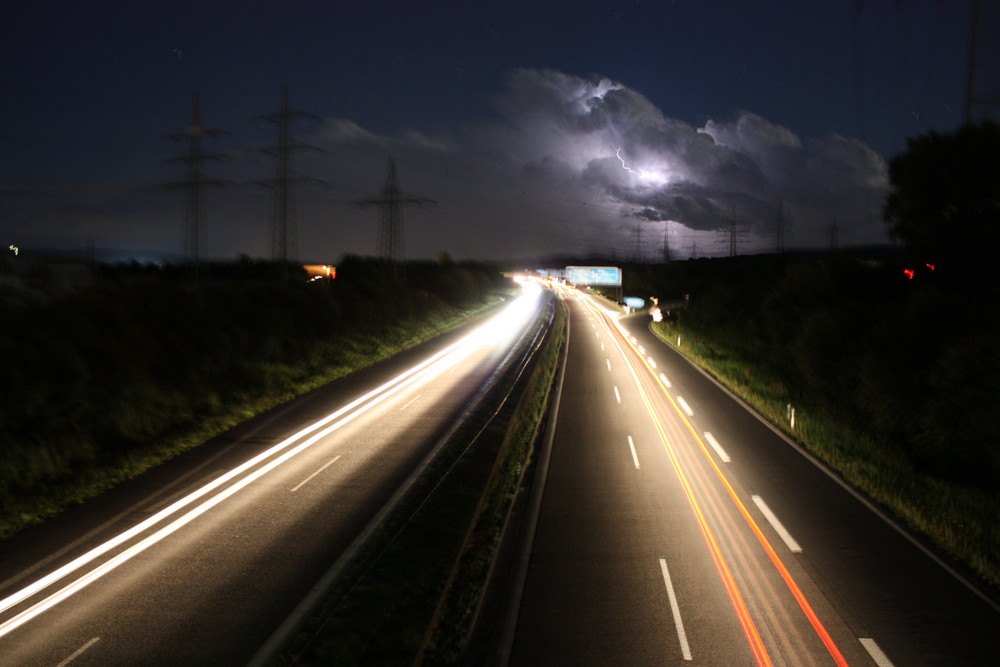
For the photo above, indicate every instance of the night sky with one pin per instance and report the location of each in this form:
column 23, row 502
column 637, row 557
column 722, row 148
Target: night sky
column 535, row 127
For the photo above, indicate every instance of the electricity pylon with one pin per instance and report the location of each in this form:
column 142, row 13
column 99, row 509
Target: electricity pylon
column 666, row 241
column 195, row 183
column 737, row 234
column 779, row 245
column 284, row 240
column 390, row 232
column 982, row 92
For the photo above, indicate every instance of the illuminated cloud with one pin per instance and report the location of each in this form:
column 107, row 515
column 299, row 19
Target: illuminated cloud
column 573, row 164
column 618, row 145
column 566, row 165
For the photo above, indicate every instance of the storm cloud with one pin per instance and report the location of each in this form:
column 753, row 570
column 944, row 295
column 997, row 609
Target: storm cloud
column 610, row 141
column 564, row 164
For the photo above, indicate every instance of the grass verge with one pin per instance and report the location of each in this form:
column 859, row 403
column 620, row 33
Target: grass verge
column 285, row 382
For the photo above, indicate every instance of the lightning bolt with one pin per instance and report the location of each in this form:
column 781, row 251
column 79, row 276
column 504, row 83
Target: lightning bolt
column 618, row 154
column 648, row 176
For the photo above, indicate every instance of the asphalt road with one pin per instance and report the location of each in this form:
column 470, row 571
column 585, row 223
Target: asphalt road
column 675, row 527
column 199, row 561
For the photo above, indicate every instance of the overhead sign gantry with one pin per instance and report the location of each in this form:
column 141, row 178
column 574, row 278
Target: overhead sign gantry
column 603, row 276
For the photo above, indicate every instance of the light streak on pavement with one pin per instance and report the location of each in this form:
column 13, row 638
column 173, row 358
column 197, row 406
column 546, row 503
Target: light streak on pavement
column 753, row 636
column 771, row 619
column 21, row 606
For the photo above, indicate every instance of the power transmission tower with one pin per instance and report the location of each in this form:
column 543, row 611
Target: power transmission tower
column 736, row 236
column 982, row 85
column 390, row 234
column 195, row 183
column 666, row 241
column 779, row 246
column 284, row 240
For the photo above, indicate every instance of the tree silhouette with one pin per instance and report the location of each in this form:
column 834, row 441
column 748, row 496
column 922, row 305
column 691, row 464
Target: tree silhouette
column 944, row 202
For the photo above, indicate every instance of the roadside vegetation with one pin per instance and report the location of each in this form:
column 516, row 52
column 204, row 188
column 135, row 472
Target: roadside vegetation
column 887, row 386
column 105, row 383
column 890, row 363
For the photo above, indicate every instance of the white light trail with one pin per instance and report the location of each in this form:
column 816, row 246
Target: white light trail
column 510, row 319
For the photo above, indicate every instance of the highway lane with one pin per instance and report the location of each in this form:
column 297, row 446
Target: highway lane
column 201, row 568
column 924, row 610
column 675, row 527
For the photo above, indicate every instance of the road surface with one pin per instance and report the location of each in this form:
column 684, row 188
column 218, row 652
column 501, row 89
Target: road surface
column 675, row 527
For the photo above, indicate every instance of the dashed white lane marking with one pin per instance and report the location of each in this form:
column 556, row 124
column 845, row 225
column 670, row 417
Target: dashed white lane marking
column 785, row 536
column 676, row 610
column 618, row 397
column 78, row 652
column 875, row 652
column 685, row 407
column 664, row 380
column 635, row 457
column 652, row 362
column 609, row 363
column 717, row 447
column 642, row 350
column 306, row 480
column 410, row 402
